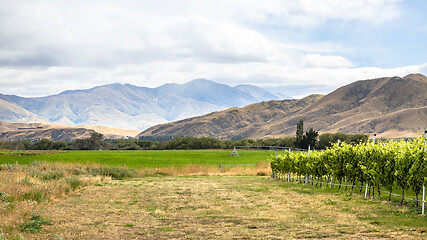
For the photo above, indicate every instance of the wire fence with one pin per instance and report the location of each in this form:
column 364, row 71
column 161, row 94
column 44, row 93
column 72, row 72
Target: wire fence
column 271, row 148
column 367, row 187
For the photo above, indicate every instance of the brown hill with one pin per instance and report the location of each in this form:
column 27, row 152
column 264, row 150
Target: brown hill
column 38, row 131
column 55, row 132
column 392, row 107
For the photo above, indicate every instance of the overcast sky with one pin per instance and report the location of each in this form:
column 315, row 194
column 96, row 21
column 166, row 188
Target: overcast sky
column 295, row 47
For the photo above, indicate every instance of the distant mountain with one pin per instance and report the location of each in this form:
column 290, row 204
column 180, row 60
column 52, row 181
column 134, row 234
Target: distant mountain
column 54, row 132
column 38, row 131
column 391, row 107
column 260, row 94
column 128, row 106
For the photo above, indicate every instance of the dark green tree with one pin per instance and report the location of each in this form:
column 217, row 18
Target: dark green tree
column 95, row 141
column 300, row 133
column 44, row 144
column 310, row 138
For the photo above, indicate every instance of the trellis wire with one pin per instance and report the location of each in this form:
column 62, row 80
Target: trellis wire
column 366, row 188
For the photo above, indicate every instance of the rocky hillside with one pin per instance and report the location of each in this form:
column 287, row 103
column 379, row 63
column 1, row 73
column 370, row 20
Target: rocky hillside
column 391, row 107
column 37, row 131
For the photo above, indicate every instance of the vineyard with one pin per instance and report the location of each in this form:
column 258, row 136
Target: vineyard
column 387, row 166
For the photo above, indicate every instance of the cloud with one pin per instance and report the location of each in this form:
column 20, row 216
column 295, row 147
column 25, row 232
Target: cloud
column 108, row 33
column 50, row 46
column 292, row 81
column 311, row 13
column 318, row 61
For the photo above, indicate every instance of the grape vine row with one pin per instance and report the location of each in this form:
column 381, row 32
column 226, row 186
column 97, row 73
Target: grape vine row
column 387, row 165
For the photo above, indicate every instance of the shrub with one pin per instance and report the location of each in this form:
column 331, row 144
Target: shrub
column 113, row 172
column 74, row 182
column 35, row 196
column 34, row 224
column 52, row 176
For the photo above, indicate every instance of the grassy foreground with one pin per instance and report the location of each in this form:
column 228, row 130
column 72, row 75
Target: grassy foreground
column 223, row 207
column 180, row 194
column 138, row 159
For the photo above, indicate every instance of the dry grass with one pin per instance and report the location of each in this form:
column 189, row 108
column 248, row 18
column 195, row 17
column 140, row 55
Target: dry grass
column 261, row 169
column 23, row 187
column 192, row 202
column 215, row 207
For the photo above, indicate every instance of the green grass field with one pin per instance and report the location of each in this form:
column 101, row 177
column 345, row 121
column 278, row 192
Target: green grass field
column 140, row 159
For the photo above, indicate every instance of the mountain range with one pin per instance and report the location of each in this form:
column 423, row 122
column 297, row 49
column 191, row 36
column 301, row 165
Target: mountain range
column 128, row 106
column 389, row 106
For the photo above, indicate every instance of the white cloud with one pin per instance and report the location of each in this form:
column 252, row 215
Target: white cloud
column 309, row 13
column 50, row 46
column 293, row 81
column 319, row 61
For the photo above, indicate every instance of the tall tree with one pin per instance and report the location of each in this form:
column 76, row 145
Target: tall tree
column 95, row 141
column 300, row 133
column 310, row 138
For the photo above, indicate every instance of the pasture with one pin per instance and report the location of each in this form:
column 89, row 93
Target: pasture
column 138, row 159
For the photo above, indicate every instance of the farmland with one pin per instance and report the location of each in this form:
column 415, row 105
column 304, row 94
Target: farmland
column 181, row 194
column 138, row 159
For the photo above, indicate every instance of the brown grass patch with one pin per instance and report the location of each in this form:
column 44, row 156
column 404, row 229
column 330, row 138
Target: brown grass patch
column 260, row 169
column 23, row 187
column 213, row 207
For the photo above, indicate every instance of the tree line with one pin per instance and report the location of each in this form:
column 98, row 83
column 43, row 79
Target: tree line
column 96, row 142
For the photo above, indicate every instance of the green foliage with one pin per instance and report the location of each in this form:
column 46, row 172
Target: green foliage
column 51, row 176
column 300, row 132
column 74, row 182
column 383, row 165
column 114, row 172
column 34, row 224
column 95, row 142
column 44, row 144
column 34, row 196
column 309, row 138
column 328, row 139
column 304, row 140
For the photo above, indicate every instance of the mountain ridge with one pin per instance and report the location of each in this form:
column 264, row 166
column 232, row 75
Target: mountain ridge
column 370, row 106
column 127, row 106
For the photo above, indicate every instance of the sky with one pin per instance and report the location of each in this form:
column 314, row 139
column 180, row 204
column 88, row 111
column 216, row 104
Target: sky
column 293, row 47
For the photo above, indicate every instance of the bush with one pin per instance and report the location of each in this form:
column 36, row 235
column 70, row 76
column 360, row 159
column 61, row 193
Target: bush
column 114, row 172
column 52, row 176
column 74, row 182
column 34, row 224
column 35, row 196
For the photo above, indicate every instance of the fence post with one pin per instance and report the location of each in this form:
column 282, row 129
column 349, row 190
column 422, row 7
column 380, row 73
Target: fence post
column 374, row 137
column 424, row 198
column 289, row 176
column 366, row 190
column 332, row 179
